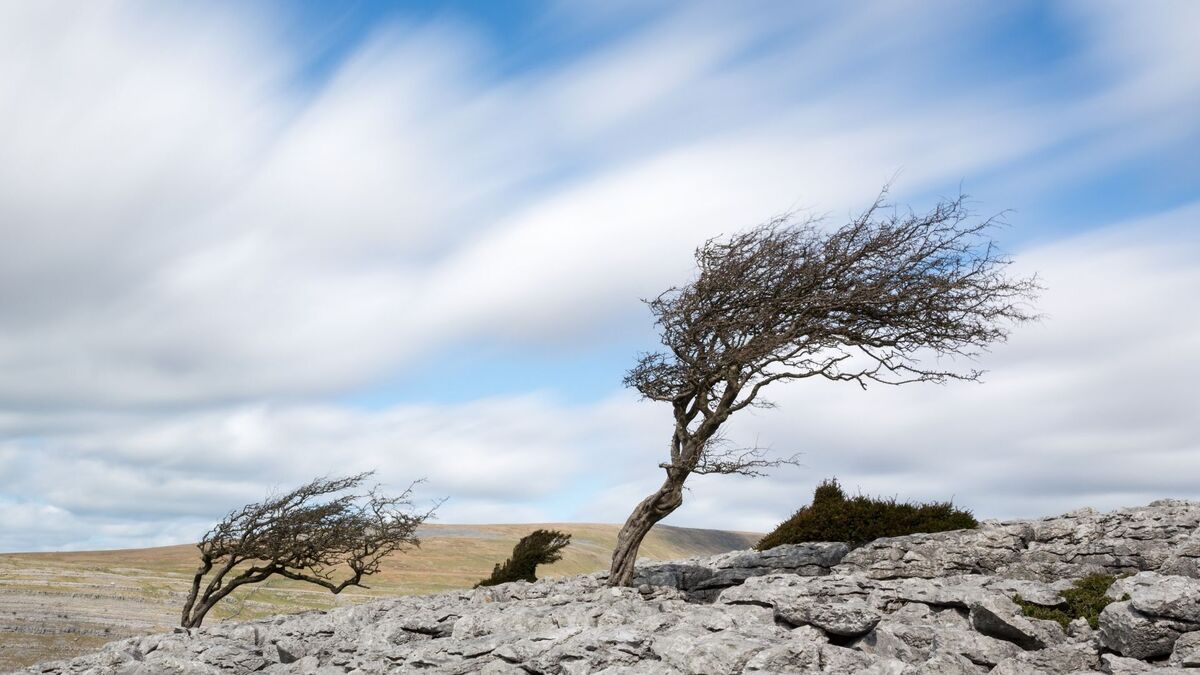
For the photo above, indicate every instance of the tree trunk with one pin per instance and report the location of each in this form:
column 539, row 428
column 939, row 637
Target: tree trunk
column 651, row 510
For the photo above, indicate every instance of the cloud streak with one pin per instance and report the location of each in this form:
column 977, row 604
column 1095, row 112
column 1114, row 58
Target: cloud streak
column 205, row 252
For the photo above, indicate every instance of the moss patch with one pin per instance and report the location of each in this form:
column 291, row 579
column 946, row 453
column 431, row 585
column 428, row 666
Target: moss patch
column 1087, row 599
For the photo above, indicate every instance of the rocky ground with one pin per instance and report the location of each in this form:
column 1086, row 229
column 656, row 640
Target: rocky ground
column 939, row 603
column 59, row 605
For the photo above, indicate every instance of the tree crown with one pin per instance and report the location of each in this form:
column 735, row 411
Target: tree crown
column 870, row 301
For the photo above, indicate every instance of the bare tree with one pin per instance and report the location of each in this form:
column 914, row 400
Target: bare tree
column 881, row 299
column 309, row 534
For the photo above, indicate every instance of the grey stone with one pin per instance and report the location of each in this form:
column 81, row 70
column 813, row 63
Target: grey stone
column 1130, row 633
column 936, row 603
column 1001, row 618
column 1171, row 597
column 850, row 617
column 1051, row 661
column 951, row 664
column 1122, row 665
column 1186, row 651
column 979, row 551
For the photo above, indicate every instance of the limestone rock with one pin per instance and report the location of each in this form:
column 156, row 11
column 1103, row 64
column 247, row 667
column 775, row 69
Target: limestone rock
column 1060, row 659
column 939, row 604
column 983, row 550
column 1186, row 652
column 848, row 618
column 1001, row 618
column 1130, row 633
column 1171, row 597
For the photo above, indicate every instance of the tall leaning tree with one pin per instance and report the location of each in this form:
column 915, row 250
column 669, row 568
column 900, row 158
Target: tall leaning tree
column 885, row 299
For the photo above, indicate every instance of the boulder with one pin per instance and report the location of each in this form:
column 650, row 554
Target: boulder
column 1001, row 618
column 1130, row 633
column 1186, row 651
column 1171, row 597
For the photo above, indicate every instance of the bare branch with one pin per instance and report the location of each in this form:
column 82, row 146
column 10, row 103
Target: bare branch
column 308, row 534
column 892, row 297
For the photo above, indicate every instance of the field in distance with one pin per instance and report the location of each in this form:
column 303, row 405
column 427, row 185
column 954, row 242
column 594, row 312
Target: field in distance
column 56, row 605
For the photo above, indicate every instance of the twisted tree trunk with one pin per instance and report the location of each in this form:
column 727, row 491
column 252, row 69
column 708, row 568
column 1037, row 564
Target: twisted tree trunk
column 651, row 510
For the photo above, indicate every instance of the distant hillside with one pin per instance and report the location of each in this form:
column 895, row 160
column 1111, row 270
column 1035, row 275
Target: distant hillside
column 54, row 605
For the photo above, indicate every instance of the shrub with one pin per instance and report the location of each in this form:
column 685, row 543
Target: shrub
column 542, row 547
column 833, row 516
column 1086, row 600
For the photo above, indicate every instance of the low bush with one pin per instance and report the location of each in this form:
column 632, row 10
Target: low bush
column 542, row 547
column 832, row 516
column 1087, row 599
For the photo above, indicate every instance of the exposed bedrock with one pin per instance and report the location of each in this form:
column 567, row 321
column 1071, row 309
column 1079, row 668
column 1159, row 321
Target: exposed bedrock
column 927, row 603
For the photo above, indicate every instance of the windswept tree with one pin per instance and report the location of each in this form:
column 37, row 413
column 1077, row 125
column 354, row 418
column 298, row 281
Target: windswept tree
column 323, row 533
column 541, row 547
column 883, row 299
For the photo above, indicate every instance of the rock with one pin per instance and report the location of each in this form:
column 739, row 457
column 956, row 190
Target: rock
column 1186, row 652
column 980, row 649
column 936, row 603
column 848, row 618
column 918, row 642
column 695, row 650
column 804, row 559
column 904, row 642
column 1035, row 592
column 705, row 577
column 1122, row 665
column 1079, row 630
column 1171, row 597
column 798, row 656
column 983, row 550
column 1184, row 559
column 950, row 664
column 1129, row 540
column 1060, row 659
column 1001, row 618
column 779, row 590
column 1130, row 633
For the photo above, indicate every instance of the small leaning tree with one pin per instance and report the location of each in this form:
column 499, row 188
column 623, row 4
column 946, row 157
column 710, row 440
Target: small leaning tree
column 879, row 299
column 313, row 534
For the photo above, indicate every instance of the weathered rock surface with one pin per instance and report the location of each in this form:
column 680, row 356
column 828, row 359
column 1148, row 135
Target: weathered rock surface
column 931, row 603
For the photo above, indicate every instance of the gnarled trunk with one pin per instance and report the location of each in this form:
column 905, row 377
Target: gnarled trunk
column 651, row 510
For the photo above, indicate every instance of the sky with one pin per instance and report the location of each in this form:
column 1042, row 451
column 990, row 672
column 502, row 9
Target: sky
column 246, row 244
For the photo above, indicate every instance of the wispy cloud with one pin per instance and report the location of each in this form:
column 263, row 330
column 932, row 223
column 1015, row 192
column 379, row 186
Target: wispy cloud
column 203, row 251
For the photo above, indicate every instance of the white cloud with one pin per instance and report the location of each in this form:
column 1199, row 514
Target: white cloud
column 200, row 227
column 1093, row 406
column 200, row 249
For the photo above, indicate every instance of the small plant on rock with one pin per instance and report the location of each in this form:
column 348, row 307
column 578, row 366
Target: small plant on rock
column 542, row 547
column 1086, row 600
column 833, row 516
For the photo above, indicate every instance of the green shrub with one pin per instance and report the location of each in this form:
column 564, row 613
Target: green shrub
column 1087, row 599
column 542, row 547
column 833, row 516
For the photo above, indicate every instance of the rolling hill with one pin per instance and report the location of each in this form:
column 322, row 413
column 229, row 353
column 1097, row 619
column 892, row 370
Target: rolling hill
column 55, row 605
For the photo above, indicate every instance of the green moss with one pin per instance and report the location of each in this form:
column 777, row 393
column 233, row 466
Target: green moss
column 833, row 516
column 1086, row 599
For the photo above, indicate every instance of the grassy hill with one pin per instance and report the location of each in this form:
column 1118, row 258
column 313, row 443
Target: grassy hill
column 54, row 605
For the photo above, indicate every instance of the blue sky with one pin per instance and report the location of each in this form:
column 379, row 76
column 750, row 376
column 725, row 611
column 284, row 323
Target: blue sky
column 246, row 245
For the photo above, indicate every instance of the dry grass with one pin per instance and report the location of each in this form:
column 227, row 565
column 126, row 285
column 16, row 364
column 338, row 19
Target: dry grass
column 56, row 605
